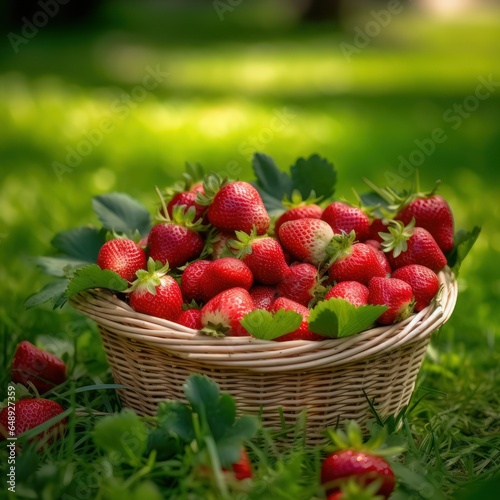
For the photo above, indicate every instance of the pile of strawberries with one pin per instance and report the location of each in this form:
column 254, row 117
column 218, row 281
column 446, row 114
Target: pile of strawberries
column 215, row 254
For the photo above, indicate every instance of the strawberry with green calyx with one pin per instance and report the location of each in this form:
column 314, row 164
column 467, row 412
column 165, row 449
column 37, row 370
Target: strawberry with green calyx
column 263, row 296
column 412, row 245
column 301, row 333
column 377, row 226
column 297, row 208
column 306, row 239
column 363, row 463
column 262, row 254
column 216, row 244
column 30, row 413
column 176, row 240
column 352, row 291
column 423, row 281
column 394, row 293
column 234, row 206
column 352, row 490
column 429, row 210
column 222, row 314
column 32, row 364
column 122, row 256
column 222, row 274
column 351, row 261
column 302, row 284
column 344, row 217
column 190, row 280
column 187, row 199
column 156, row 293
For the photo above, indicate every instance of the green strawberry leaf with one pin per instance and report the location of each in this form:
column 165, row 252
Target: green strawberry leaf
column 53, row 291
column 230, row 443
column 80, row 243
column 60, row 266
column 314, row 175
column 120, row 213
column 123, row 436
column 339, row 318
column 175, row 419
column 464, row 241
column 272, row 183
column 264, row 325
column 93, row 276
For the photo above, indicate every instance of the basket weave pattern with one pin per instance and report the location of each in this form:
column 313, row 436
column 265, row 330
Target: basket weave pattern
column 153, row 357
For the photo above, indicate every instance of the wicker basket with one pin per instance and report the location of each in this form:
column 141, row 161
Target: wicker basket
column 153, row 357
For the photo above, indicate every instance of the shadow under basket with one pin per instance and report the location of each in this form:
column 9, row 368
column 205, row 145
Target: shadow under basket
column 153, row 358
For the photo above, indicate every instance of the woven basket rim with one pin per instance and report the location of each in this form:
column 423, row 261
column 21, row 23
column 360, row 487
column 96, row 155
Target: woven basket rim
column 253, row 354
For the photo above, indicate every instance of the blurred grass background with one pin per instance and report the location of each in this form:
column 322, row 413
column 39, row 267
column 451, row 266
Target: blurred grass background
column 227, row 81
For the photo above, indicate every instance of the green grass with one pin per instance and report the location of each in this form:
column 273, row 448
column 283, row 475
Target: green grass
column 225, row 83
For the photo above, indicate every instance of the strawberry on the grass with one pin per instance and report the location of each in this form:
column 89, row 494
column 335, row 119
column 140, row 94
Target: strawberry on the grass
column 263, row 255
column 356, row 462
column 156, row 293
column 234, row 206
column 30, row 413
column 222, row 314
column 32, row 364
column 123, row 256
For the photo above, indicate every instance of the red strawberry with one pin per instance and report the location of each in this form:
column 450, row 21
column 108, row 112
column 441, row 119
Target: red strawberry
column 156, row 293
column 122, row 256
column 432, row 213
column 236, row 206
column 298, row 209
column 263, row 255
column 263, row 296
column 354, row 261
column 186, row 199
column 412, row 245
column 345, row 218
column 32, row 364
column 364, row 468
column 306, row 239
column 173, row 243
column 377, row 226
column 396, row 295
column 301, row 283
column 303, row 332
column 223, row 274
column 222, row 314
column 30, row 413
column 423, row 281
column 352, row 291
column 191, row 318
column 242, row 468
column 190, row 281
